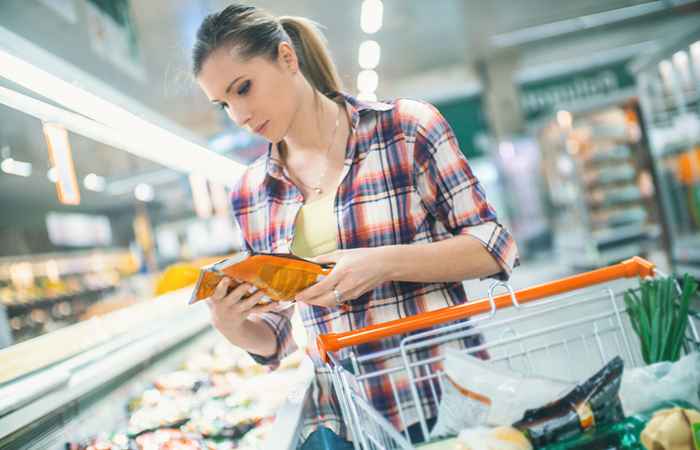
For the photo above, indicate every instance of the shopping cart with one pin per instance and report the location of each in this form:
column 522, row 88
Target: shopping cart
column 566, row 329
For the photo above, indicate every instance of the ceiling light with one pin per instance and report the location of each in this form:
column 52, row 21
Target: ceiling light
column 144, row 192
column 94, row 182
column 369, row 54
column 564, row 119
column 61, row 157
column 14, row 167
column 367, row 81
column 367, row 97
column 371, row 16
column 51, row 175
column 182, row 154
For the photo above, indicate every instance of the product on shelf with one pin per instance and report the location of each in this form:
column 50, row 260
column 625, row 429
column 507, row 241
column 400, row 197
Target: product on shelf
column 211, row 403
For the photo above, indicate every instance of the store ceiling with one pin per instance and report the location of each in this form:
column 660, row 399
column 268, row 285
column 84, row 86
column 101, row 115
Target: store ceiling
column 418, row 39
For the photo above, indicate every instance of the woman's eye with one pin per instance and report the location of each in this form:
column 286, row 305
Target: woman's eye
column 222, row 106
column 244, row 88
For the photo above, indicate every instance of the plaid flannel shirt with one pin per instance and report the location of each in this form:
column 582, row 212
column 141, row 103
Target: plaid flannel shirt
column 404, row 181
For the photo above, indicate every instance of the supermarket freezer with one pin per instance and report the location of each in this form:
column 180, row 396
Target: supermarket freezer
column 76, row 397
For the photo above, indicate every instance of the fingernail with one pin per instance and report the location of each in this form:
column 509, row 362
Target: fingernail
column 252, row 289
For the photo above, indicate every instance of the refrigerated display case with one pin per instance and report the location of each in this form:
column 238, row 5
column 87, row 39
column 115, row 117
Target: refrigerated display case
column 596, row 165
column 154, row 365
column 43, row 292
column 668, row 83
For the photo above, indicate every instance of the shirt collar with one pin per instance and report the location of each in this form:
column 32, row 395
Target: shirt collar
column 355, row 108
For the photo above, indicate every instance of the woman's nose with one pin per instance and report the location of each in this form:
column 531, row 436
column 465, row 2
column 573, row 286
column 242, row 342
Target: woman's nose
column 239, row 117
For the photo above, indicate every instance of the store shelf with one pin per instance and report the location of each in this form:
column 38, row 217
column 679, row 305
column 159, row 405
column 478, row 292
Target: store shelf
column 610, row 235
column 19, row 308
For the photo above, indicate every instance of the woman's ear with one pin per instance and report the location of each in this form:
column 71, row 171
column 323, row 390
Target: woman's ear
column 288, row 57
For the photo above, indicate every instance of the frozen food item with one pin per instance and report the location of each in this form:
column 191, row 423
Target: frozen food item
column 645, row 387
column 167, row 439
column 477, row 393
column 280, row 276
column 168, row 412
column 500, row 438
column 592, row 403
column 671, row 429
column 180, row 380
column 117, row 441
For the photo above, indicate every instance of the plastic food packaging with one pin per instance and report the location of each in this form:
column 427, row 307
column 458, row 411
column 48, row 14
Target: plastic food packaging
column 671, row 429
column 500, row 438
column 280, row 276
column 477, row 393
column 590, row 404
column 645, row 387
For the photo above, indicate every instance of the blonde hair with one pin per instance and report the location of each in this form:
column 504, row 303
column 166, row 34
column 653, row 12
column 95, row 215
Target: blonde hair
column 254, row 32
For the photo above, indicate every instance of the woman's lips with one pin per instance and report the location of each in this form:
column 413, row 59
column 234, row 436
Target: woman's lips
column 262, row 127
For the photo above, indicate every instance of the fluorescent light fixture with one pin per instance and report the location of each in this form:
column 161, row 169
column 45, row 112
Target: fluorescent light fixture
column 144, row 192
column 94, row 182
column 61, row 157
column 666, row 70
column 371, row 16
column 52, row 175
column 367, row 81
column 200, row 196
column 680, row 61
column 367, row 97
column 182, row 154
column 14, row 167
column 695, row 57
column 369, row 54
column 564, row 119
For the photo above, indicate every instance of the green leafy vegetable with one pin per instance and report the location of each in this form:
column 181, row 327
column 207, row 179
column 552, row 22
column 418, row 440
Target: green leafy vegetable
column 659, row 316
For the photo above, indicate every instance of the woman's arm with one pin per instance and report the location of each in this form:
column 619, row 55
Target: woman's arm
column 253, row 336
column 456, row 259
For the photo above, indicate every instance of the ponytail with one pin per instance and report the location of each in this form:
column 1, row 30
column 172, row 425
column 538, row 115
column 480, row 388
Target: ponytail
column 254, row 32
column 314, row 58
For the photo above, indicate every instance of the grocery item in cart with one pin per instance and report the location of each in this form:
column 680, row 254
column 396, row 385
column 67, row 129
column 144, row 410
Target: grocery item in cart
column 478, row 393
column 643, row 388
column 671, row 429
column 280, row 276
column 592, row 403
column 500, row 438
column 659, row 316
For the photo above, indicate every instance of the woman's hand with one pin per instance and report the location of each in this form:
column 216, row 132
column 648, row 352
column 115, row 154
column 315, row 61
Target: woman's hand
column 230, row 311
column 356, row 272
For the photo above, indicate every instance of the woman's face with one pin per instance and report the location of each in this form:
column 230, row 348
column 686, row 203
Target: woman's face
column 259, row 94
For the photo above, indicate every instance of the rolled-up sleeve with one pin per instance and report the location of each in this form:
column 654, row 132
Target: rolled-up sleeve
column 281, row 325
column 451, row 192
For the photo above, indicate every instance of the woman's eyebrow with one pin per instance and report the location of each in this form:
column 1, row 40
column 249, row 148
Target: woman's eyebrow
column 228, row 89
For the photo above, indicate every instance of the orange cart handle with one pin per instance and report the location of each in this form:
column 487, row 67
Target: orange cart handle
column 332, row 342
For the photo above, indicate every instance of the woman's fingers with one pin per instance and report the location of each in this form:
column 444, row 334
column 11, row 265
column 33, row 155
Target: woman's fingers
column 221, row 289
column 259, row 309
column 250, row 302
column 236, row 294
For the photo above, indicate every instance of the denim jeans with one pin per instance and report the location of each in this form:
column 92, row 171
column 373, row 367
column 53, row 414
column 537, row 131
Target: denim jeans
column 324, row 438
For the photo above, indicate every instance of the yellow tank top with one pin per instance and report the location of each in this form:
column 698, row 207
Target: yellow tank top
column 315, row 228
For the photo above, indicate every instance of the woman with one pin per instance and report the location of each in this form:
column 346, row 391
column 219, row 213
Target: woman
column 380, row 189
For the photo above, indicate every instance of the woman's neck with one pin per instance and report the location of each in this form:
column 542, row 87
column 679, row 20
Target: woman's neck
column 312, row 124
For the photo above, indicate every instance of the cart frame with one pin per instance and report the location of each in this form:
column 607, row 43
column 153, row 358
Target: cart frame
column 579, row 345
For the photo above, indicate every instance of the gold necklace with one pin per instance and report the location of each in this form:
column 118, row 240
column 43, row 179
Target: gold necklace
column 317, row 189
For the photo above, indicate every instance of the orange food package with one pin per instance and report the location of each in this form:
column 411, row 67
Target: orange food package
column 279, row 276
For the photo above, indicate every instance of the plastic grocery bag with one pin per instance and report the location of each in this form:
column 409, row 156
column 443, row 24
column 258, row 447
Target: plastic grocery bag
column 477, row 393
column 643, row 388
